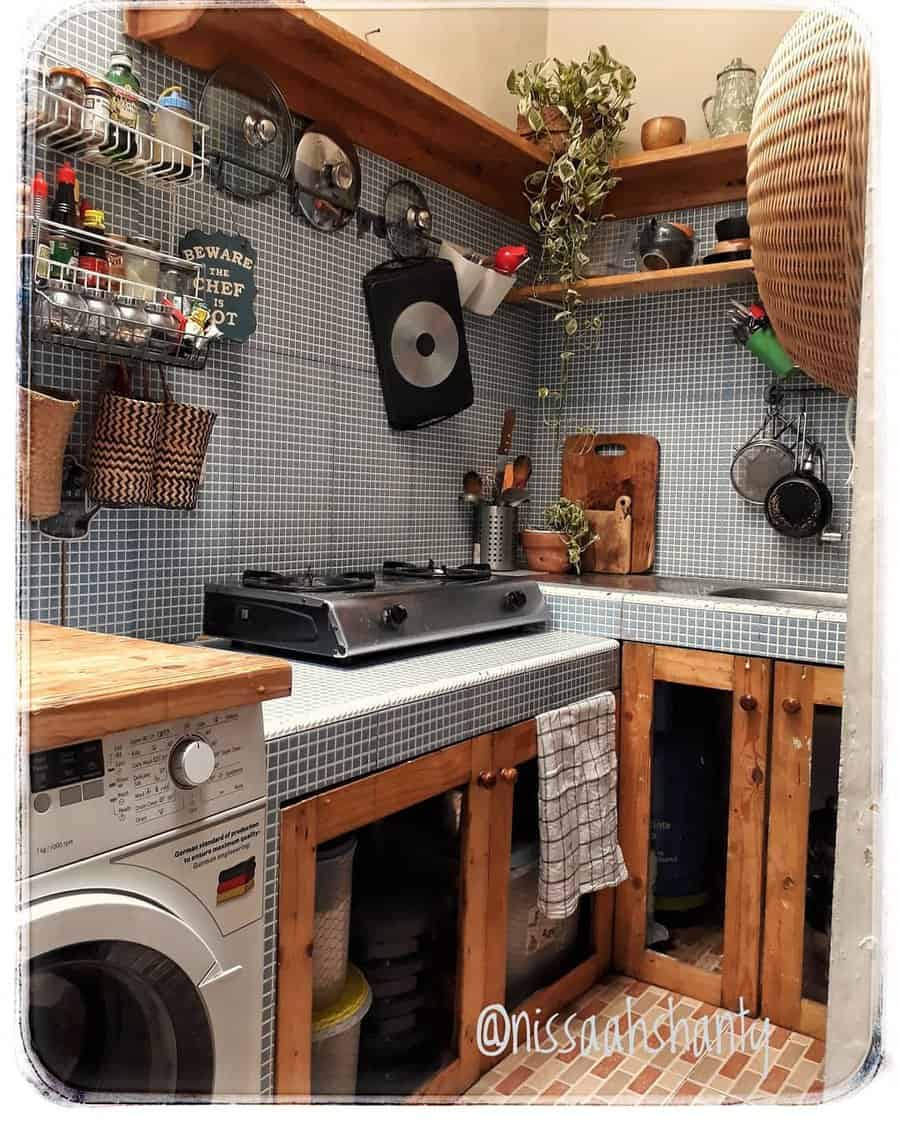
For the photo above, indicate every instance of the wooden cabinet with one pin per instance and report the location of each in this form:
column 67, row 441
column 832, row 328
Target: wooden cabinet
column 779, row 719
column 803, row 773
column 730, row 974
column 485, row 769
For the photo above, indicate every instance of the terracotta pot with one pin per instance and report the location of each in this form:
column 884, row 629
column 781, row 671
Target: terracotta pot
column 546, row 551
column 662, row 132
column 557, row 125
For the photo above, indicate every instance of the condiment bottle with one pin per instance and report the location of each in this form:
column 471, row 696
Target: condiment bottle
column 124, row 107
column 92, row 254
column 115, row 262
column 63, row 246
column 97, row 100
column 39, row 203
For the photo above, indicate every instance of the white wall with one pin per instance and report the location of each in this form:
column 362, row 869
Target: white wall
column 676, row 53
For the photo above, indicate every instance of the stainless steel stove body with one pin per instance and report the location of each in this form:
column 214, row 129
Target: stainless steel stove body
column 369, row 614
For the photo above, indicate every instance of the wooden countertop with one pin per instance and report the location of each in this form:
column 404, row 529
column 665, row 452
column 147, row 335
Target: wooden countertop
column 76, row 685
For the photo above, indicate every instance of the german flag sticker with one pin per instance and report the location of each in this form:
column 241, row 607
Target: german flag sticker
column 236, row 881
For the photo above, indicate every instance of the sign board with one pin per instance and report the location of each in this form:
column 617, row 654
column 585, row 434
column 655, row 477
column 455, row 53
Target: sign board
column 226, row 283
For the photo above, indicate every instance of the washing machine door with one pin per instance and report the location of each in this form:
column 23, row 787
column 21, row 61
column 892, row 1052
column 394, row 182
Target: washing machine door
column 112, row 1000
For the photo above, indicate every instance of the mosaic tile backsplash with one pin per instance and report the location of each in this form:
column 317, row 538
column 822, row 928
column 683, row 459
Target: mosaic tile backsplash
column 303, row 469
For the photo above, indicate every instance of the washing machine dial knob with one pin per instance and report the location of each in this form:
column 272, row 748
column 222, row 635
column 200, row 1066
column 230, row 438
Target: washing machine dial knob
column 191, row 762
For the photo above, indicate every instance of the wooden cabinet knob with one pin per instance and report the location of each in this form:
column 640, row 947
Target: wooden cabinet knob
column 487, row 779
column 791, row 705
column 748, row 702
column 509, row 774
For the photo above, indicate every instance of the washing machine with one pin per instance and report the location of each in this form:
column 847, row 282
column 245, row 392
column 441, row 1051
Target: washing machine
column 141, row 920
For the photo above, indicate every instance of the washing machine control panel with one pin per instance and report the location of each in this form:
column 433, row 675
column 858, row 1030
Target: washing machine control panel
column 94, row 796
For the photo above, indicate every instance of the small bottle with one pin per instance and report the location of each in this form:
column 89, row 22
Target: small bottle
column 92, row 254
column 63, row 246
column 124, row 107
column 39, row 214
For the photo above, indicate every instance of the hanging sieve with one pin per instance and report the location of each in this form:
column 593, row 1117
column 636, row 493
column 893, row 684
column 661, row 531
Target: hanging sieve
column 765, row 458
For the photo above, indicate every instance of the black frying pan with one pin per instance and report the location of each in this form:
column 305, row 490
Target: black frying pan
column 799, row 504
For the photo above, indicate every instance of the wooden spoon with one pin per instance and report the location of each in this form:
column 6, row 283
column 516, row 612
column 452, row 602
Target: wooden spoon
column 521, row 470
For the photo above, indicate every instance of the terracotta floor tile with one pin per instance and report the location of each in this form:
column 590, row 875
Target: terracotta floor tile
column 637, row 988
column 778, row 1038
column 790, row 1055
column 734, row 1064
column 555, row 1090
column 576, row 1069
column 607, row 1065
column 815, row 1052
column 704, row 1070
column 594, row 1006
column 687, row 1091
column 774, row 1080
column 514, row 1079
column 645, row 1079
column 748, row 1081
column 613, row 1085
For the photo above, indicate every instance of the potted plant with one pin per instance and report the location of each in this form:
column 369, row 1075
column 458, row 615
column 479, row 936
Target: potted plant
column 580, row 109
column 560, row 547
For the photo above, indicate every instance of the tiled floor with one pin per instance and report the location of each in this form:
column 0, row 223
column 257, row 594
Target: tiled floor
column 619, row 1065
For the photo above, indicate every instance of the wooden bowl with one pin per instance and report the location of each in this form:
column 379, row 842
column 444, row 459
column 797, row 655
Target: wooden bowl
column 662, row 132
column 546, row 551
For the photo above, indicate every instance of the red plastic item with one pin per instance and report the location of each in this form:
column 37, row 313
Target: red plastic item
column 39, row 186
column 66, row 174
column 508, row 258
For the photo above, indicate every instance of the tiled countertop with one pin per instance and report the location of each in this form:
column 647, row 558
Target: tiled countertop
column 685, row 612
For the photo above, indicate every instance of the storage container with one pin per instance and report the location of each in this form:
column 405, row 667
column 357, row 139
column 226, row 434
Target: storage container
column 335, row 1038
column 538, row 949
column 497, row 535
column 488, row 294
column 331, row 927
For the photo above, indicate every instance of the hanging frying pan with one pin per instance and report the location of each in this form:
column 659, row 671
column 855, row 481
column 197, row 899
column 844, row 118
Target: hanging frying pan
column 799, row 504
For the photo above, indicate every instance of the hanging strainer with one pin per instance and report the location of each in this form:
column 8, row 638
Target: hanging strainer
column 765, row 458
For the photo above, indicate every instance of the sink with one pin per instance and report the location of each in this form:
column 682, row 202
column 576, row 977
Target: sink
column 784, row 595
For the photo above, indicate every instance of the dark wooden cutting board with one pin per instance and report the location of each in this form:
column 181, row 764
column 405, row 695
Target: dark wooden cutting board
column 597, row 470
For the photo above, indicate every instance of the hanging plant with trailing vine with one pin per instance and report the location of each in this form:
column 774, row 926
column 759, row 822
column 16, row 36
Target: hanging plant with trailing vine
column 581, row 109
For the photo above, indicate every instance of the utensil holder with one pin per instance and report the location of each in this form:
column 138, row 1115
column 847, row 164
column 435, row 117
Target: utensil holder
column 45, row 421
column 497, row 535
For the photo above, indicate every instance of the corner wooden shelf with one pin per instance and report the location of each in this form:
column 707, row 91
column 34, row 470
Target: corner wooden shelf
column 638, row 284
column 329, row 74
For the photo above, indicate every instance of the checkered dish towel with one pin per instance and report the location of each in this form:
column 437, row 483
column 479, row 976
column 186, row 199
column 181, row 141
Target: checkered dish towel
column 577, row 804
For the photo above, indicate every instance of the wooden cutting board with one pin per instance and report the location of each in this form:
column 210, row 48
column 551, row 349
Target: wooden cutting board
column 611, row 553
column 597, row 470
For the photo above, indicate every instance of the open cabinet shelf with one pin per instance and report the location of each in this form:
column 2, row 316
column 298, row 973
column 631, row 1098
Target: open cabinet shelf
column 638, row 284
column 326, row 73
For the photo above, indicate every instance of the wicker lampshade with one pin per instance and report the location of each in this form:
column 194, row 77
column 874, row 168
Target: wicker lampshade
column 806, row 193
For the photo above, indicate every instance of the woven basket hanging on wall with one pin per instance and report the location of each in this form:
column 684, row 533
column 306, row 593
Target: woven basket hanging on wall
column 806, row 194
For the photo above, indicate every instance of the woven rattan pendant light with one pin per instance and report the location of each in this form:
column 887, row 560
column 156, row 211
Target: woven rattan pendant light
column 806, row 185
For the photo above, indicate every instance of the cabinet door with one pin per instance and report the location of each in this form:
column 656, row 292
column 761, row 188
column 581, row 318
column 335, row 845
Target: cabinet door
column 350, row 808
column 514, row 755
column 800, row 858
column 692, row 785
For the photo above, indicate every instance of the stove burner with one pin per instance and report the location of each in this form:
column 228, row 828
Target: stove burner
column 346, row 581
column 470, row 572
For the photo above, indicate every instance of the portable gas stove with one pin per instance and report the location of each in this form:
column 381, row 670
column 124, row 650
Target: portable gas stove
column 360, row 613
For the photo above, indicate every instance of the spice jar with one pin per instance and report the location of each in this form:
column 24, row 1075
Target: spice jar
column 65, row 117
column 115, row 262
column 61, row 311
column 174, row 281
column 173, row 132
column 92, row 253
column 101, row 316
column 132, row 329
column 142, row 273
column 124, row 109
column 164, row 334
column 97, row 99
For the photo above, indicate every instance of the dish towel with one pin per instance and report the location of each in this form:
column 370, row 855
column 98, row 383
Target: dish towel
column 577, row 804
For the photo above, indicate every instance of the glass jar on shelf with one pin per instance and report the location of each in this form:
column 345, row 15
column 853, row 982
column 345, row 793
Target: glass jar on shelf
column 97, row 101
column 165, row 336
column 132, row 327
column 172, row 152
column 141, row 272
column 101, row 317
column 63, row 112
column 59, row 310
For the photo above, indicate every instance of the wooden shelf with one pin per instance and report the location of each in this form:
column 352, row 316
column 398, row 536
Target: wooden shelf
column 637, row 284
column 330, row 75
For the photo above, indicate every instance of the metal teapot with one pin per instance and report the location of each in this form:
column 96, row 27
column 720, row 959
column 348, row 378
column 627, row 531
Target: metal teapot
column 736, row 89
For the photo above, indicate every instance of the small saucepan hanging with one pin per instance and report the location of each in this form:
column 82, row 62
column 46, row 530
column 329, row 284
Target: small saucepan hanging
column 799, row 505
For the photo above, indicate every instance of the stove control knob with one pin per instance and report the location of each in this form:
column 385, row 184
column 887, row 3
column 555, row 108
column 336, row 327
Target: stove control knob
column 191, row 762
column 515, row 599
column 394, row 616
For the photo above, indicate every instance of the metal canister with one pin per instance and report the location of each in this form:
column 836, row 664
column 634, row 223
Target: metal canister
column 497, row 535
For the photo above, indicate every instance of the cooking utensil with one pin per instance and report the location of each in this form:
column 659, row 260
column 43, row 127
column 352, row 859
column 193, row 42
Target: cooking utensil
column 764, row 458
column 521, row 470
column 473, row 487
column 513, row 497
column 735, row 226
column 327, row 178
column 799, row 505
column 506, row 433
column 598, row 469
